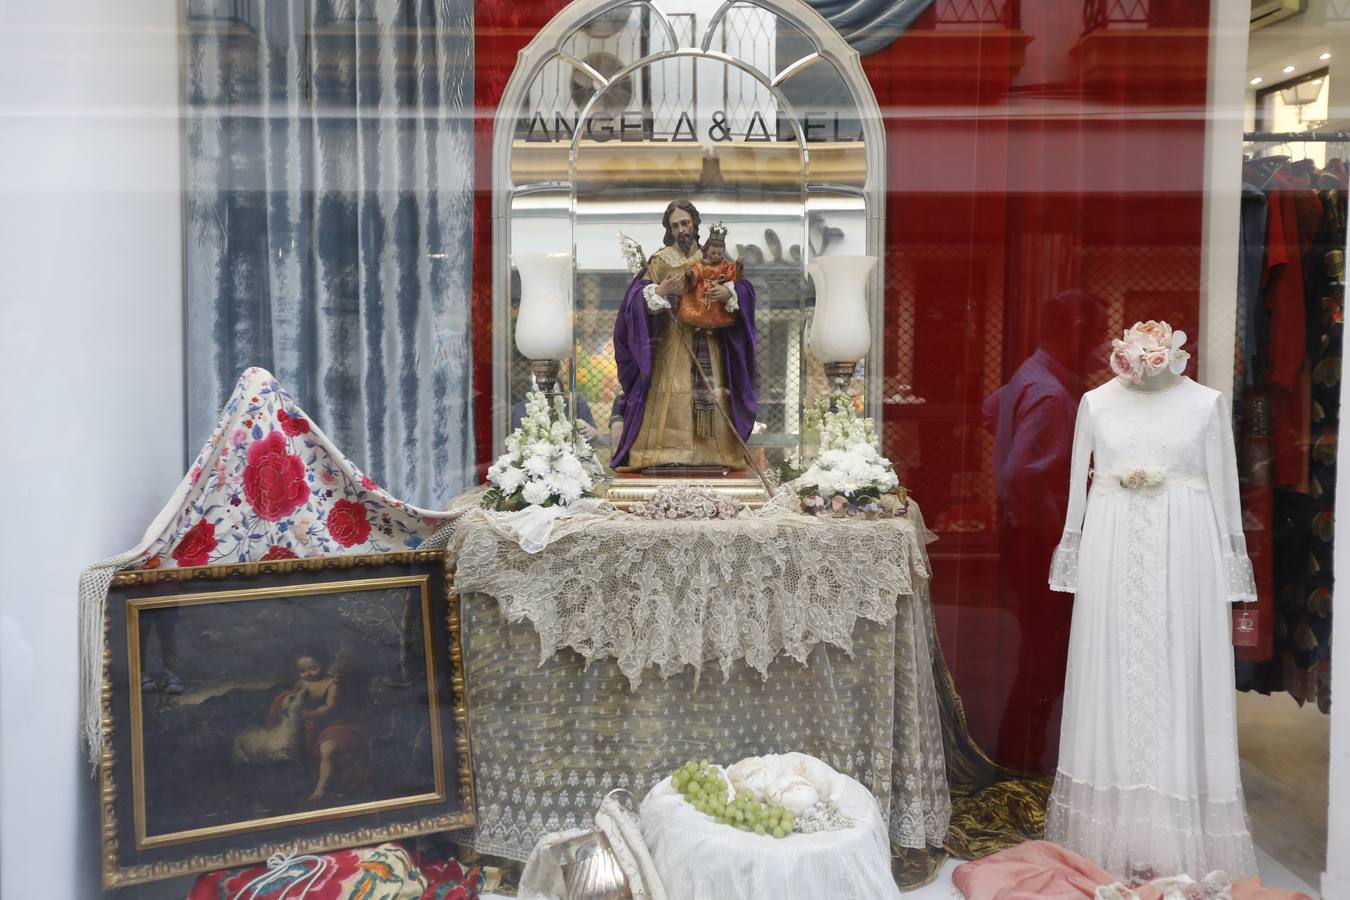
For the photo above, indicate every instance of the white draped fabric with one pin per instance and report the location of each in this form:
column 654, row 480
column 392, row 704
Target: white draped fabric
column 701, row 859
column 1148, row 775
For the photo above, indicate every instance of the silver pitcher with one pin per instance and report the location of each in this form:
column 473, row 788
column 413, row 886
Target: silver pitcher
column 590, row 869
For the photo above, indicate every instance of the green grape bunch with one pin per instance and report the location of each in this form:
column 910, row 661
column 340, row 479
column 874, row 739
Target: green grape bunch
column 707, row 790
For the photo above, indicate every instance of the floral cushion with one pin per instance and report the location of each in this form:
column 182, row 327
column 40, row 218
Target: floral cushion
column 449, row 880
column 386, row 872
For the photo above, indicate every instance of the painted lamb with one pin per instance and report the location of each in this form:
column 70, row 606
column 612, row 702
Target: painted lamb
column 279, row 742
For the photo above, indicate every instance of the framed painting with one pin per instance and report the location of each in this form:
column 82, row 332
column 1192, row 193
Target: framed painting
column 298, row 705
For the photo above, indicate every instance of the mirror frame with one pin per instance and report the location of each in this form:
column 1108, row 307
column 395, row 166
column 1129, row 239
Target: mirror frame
column 546, row 46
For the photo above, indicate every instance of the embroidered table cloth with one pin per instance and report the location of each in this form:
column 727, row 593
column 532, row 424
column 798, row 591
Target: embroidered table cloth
column 628, row 646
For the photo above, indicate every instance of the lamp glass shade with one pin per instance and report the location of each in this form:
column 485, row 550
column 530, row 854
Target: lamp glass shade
column 840, row 330
column 1303, row 93
column 544, row 324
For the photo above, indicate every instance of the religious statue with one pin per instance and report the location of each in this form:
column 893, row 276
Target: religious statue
column 684, row 343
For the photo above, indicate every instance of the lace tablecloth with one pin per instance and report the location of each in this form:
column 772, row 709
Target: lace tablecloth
column 583, row 662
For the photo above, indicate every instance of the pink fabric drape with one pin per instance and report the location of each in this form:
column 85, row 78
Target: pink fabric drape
column 1040, row 870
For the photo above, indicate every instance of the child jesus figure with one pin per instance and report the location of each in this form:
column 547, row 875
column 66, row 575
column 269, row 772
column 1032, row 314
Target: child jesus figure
column 696, row 307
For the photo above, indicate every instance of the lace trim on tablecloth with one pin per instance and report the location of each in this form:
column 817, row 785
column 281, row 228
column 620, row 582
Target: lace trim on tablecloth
column 618, row 586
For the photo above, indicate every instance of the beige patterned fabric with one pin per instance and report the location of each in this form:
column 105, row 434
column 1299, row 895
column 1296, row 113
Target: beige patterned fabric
column 821, row 631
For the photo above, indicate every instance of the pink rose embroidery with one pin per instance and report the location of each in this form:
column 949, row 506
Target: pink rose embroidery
column 194, row 549
column 274, row 480
column 292, row 425
column 347, row 523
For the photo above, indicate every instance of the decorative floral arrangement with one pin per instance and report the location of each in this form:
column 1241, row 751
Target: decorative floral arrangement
column 849, row 476
column 547, row 461
column 1148, row 349
column 684, row 502
column 1141, row 479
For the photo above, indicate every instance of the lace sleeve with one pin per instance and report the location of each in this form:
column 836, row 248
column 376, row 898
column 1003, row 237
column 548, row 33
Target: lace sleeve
column 733, row 302
column 1237, row 570
column 1221, row 465
column 655, row 302
column 1064, row 565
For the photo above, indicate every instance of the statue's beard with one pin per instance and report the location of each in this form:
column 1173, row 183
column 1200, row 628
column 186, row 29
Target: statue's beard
column 685, row 241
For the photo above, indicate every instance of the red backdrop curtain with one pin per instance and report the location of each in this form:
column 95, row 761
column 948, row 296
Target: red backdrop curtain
column 1045, row 190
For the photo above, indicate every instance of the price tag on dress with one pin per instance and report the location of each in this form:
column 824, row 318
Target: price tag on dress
column 1246, row 626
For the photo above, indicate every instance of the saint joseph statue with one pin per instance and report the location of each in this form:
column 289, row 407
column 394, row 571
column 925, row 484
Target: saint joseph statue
column 669, row 418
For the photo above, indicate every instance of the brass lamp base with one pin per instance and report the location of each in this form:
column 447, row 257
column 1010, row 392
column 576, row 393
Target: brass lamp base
column 545, row 373
column 840, row 375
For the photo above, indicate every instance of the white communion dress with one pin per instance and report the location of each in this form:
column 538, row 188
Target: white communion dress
column 1148, row 777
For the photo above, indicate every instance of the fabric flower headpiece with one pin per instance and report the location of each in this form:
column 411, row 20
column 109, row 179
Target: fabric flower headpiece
column 1148, row 348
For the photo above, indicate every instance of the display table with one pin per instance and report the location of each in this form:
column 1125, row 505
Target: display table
column 628, row 646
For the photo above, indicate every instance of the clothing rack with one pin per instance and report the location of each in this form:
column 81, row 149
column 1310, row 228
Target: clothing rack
column 1295, row 137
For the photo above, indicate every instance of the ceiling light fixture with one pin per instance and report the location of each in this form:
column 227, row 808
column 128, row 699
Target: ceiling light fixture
column 1287, row 69
column 1325, row 56
column 1257, row 80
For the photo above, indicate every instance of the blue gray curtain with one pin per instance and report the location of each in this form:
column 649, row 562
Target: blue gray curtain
column 329, row 165
column 870, row 25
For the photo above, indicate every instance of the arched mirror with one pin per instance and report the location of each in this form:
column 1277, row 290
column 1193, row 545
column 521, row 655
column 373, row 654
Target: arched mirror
column 756, row 116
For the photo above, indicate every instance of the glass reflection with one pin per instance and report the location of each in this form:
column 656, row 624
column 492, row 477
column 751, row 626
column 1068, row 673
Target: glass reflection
column 1034, row 414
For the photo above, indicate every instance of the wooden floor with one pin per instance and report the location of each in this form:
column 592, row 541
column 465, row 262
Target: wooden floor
column 1285, row 753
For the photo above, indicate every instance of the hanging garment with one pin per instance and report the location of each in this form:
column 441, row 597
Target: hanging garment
column 1290, row 238
column 1295, row 613
column 1251, row 266
column 1148, row 776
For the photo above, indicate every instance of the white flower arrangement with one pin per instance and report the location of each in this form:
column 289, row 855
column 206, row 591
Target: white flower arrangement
column 849, row 474
column 1147, row 349
column 547, row 462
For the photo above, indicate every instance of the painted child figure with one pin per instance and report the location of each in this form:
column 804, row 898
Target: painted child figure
column 329, row 734
column 696, row 308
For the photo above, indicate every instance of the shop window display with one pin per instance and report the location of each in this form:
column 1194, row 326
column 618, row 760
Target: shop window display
column 731, row 449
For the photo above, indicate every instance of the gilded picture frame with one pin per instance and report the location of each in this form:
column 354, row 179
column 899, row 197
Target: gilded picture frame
column 288, row 706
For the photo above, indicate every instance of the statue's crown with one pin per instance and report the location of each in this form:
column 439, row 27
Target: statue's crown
column 718, row 232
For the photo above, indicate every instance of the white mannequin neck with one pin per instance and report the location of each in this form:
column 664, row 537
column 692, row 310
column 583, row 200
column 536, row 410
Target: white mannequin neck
column 1161, row 381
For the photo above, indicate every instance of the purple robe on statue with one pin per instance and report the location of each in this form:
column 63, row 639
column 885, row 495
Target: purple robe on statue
column 635, row 334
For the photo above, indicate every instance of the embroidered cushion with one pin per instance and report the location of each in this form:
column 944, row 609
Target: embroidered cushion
column 385, row 872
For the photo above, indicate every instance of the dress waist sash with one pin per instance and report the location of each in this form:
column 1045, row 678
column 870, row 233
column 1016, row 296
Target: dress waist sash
column 1146, row 483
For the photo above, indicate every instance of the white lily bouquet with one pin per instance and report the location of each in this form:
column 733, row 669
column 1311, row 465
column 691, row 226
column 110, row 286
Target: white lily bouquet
column 547, row 462
column 849, row 476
